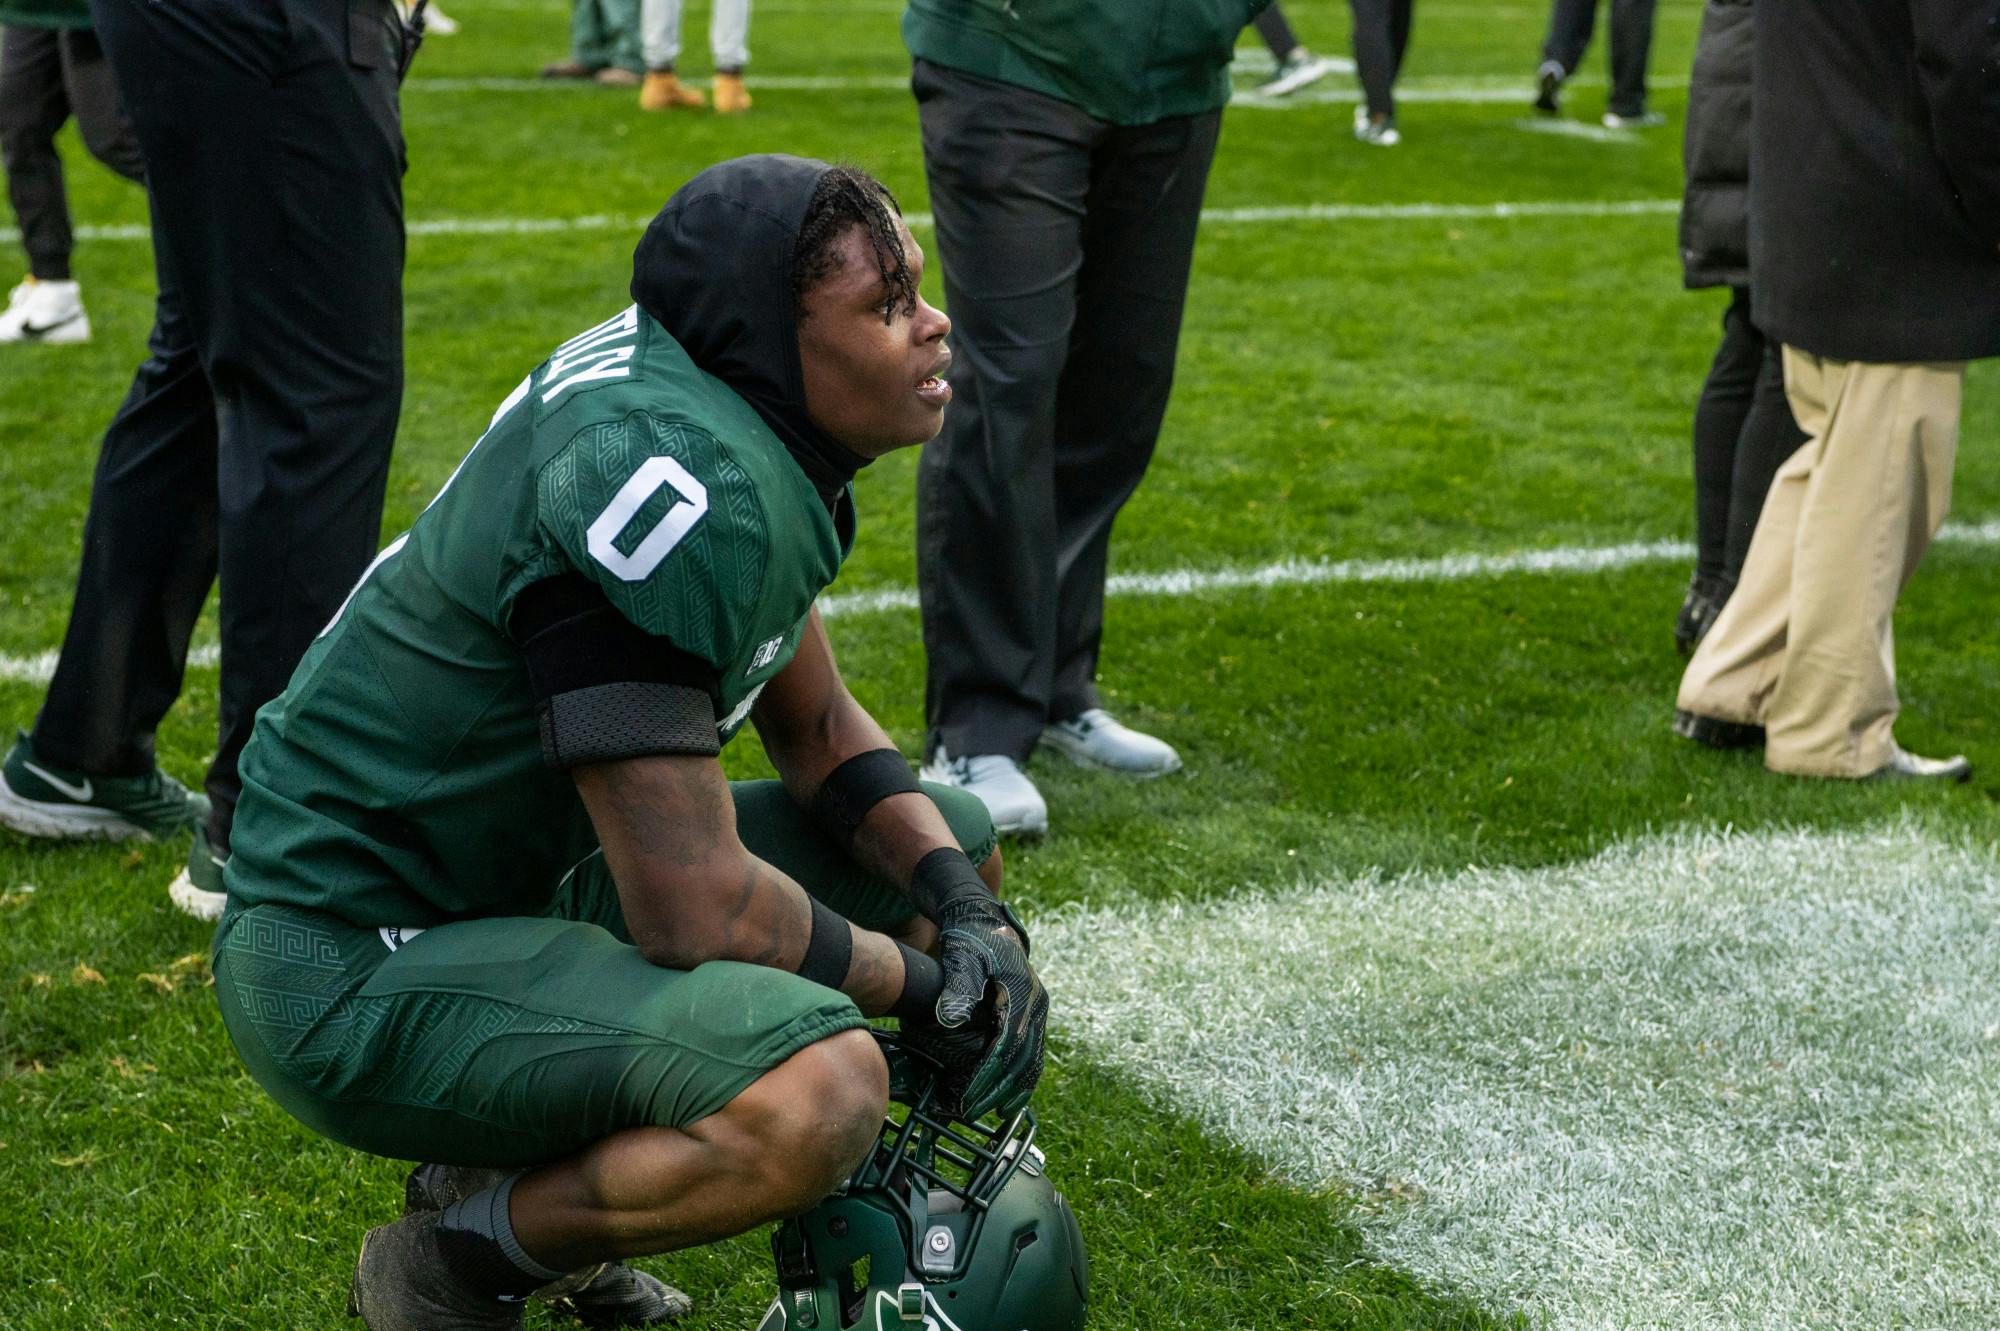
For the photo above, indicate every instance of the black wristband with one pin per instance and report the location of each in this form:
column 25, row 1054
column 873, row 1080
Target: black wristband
column 923, row 981
column 942, row 877
column 858, row 785
column 830, row 948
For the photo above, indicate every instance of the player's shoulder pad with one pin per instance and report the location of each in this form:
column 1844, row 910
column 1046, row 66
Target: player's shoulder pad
column 659, row 513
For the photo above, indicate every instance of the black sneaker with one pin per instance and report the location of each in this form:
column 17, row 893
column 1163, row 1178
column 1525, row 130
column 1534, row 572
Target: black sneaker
column 610, row 1295
column 43, row 800
column 1715, row 732
column 1703, row 602
column 402, row 1283
column 1548, row 88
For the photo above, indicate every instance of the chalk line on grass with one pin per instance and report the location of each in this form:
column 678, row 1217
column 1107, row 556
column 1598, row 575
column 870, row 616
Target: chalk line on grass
column 1699, row 1080
column 1188, row 582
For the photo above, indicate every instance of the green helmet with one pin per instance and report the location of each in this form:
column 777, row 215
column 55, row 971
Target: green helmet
column 945, row 1227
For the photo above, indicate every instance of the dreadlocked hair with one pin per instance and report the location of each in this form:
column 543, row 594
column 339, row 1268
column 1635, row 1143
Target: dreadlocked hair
column 848, row 197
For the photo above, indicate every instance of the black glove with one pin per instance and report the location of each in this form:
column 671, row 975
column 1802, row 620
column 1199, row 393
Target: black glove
column 990, row 994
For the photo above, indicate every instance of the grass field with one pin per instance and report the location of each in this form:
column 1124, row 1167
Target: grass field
column 1445, row 989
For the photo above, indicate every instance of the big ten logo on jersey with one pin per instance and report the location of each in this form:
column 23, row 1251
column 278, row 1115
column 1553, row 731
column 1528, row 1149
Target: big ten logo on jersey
column 605, row 352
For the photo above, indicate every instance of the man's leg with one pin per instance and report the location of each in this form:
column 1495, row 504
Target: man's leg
column 1719, row 414
column 33, row 108
column 1276, row 32
column 1631, row 47
column 93, row 100
column 1877, row 497
column 623, row 42
column 1009, row 170
column 1570, row 22
column 304, row 349
column 149, row 552
column 1138, row 244
column 1374, row 56
column 1768, row 436
column 660, row 33
column 729, row 35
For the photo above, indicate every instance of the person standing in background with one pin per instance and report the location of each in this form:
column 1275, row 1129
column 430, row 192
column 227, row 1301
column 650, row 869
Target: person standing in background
column 728, row 42
column 52, row 69
column 1381, row 36
column 1743, row 427
column 254, row 443
column 1067, row 164
column 603, row 45
column 1293, row 66
column 1570, row 24
column 1875, row 261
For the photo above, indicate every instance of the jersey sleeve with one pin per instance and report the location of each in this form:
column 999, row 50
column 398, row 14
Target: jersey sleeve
column 660, row 518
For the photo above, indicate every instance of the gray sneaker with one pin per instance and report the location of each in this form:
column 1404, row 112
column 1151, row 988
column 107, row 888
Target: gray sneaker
column 1097, row 739
column 1301, row 71
column 1011, row 800
column 1906, row 766
column 401, row 1283
column 40, row 799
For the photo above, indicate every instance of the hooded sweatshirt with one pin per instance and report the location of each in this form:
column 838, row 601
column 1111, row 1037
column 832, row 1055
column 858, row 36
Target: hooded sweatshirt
column 623, row 560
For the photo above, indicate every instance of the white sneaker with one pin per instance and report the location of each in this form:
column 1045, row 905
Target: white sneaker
column 1096, row 739
column 44, row 312
column 1375, row 133
column 1016, row 807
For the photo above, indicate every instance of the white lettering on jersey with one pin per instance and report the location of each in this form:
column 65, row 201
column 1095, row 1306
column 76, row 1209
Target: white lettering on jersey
column 592, row 356
column 666, row 534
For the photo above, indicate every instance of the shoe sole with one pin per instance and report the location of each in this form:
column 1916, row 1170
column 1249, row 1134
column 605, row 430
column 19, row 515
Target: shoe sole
column 1291, row 83
column 1083, row 759
column 196, row 901
column 1716, row 733
column 66, row 822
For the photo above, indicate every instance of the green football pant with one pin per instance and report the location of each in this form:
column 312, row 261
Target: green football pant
column 513, row 1041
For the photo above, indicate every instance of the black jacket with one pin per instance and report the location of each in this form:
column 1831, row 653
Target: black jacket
column 1715, row 208
column 1875, row 178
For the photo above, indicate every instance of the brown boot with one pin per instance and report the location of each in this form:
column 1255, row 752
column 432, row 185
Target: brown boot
column 612, row 76
column 663, row 91
column 731, row 97
column 568, row 69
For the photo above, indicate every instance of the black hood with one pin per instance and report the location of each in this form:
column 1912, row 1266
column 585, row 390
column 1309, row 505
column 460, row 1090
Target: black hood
column 715, row 269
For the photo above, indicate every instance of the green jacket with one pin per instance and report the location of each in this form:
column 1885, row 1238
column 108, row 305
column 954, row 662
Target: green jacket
column 1129, row 62
column 45, row 13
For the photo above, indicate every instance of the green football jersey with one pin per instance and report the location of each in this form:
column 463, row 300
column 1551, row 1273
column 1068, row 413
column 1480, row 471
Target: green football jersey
column 400, row 780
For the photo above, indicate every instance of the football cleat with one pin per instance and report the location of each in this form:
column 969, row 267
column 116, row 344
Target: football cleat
column 40, row 311
column 1375, row 133
column 41, row 799
column 946, row 1226
column 402, row 1283
column 1095, row 738
column 1011, row 800
column 613, row 1294
column 1638, row 120
column 197, row 890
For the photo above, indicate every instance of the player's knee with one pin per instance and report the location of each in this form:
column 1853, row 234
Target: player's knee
column 991, row 872
column 824, row 1112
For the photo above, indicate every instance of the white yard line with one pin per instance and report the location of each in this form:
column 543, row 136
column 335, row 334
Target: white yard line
column 1300, row 212
column 1699, row 1081
column 1569, row 560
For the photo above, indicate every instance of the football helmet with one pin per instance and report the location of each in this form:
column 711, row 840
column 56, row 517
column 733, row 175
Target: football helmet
column 944, row 1227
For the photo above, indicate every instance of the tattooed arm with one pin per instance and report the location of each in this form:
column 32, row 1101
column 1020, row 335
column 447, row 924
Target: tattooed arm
column 690, row 890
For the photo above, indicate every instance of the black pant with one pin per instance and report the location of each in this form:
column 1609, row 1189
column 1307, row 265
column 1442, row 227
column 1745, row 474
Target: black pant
column 1743, row 432
column 1570, row 22
column 1381, row 36
column 1276, row 32
column 1066, row 244
column 255, row 440
column 48, row 75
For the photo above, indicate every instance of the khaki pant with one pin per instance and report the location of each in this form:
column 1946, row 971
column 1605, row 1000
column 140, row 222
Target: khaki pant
column 1804, row 646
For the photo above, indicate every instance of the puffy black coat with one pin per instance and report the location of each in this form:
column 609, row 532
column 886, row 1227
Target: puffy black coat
column 1875, row 178
column 1715, row 208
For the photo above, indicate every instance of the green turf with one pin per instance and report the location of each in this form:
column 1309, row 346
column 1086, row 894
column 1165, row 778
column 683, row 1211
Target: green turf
column 1347, row 389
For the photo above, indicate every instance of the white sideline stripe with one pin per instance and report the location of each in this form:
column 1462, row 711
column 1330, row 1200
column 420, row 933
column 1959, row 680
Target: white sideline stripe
column 1300, row 212
column 1190, row 582
column 1700, row 1080
column 1576, row 129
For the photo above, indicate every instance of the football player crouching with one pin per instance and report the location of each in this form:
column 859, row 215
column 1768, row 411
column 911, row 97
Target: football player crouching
column 492, row 903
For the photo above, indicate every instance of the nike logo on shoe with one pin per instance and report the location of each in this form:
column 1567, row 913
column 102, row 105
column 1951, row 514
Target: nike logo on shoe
column 81, row 794
column 43, row 330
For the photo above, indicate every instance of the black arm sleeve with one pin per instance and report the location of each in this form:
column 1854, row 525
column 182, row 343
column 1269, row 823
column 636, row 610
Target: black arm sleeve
column 604, row 688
